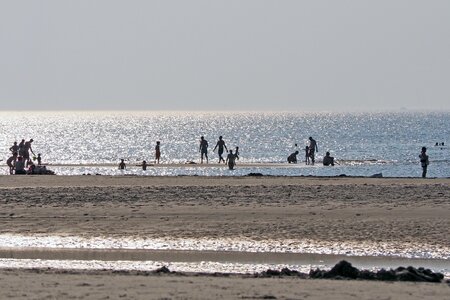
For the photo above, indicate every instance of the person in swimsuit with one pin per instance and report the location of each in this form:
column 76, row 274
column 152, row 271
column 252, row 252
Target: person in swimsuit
column 307, row 155
column 26, row 151
column 11, row 162
column 21, row 147
column 157, row 152
column 312, row 149
column 14, row 148
column 221, row 145
column 203, row 149
column 230, row 160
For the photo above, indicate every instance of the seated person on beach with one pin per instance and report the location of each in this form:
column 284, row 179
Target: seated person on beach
column 31, row 170
column 328, row 160
column 39, row 170
column 292, row 159
column 20, row 166
column 122, row 165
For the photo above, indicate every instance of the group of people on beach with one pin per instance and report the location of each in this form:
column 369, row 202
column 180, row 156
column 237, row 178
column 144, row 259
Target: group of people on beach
column 203, row 149
column 144, row 164
column 310, row 154
column 220, row 146
column 20, row 163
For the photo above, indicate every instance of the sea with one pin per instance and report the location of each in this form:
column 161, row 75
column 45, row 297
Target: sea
column 93, row 142
column 363, row 144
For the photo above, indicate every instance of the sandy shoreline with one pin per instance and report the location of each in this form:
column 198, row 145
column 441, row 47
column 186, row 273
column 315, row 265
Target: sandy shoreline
column 56, row 284
column 322, row 209
column 411, row 213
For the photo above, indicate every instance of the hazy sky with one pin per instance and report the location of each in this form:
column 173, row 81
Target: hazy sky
column 225, row 55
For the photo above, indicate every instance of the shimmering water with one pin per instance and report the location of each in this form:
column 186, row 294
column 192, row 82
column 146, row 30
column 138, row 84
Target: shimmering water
column 211, row 255
column 363, row 143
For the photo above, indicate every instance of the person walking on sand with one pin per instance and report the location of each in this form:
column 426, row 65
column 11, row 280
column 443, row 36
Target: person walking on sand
column 157, row 152
column 203, row 149
column 424, row 161
column 312, row 149
column 230, row 160
column 221, row 145
column 122, row 165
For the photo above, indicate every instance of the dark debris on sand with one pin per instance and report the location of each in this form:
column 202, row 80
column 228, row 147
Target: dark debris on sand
column 345, row 271
column 341, row 271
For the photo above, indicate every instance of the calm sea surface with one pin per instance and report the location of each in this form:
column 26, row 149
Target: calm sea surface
column 363, row 143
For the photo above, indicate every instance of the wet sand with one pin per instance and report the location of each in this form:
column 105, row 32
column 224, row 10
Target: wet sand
column 50, row 284
column 395, row 213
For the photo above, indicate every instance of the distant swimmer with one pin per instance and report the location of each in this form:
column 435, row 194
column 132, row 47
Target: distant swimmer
column 122, row 165
column 230, row 160
column 221, row 145
column 312, row 149
column 203, row 149
column 157, row 152
column 424, row 162
column 292, row 159
column 328, row 160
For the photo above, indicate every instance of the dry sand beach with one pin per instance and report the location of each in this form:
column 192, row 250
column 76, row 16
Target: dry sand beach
column 367, row 216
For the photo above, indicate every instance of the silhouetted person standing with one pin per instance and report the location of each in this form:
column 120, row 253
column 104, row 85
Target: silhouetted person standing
column 221, row 145
column 231, row 160
column 203, row 149
column 157, row 152
column 424, row 161
column 312, row 149
column 26, row 151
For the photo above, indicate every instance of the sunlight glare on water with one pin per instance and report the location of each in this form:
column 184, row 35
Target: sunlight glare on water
column 363, row 143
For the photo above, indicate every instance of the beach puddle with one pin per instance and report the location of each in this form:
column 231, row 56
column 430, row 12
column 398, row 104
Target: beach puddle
column 406, row 250
column 210, row 255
